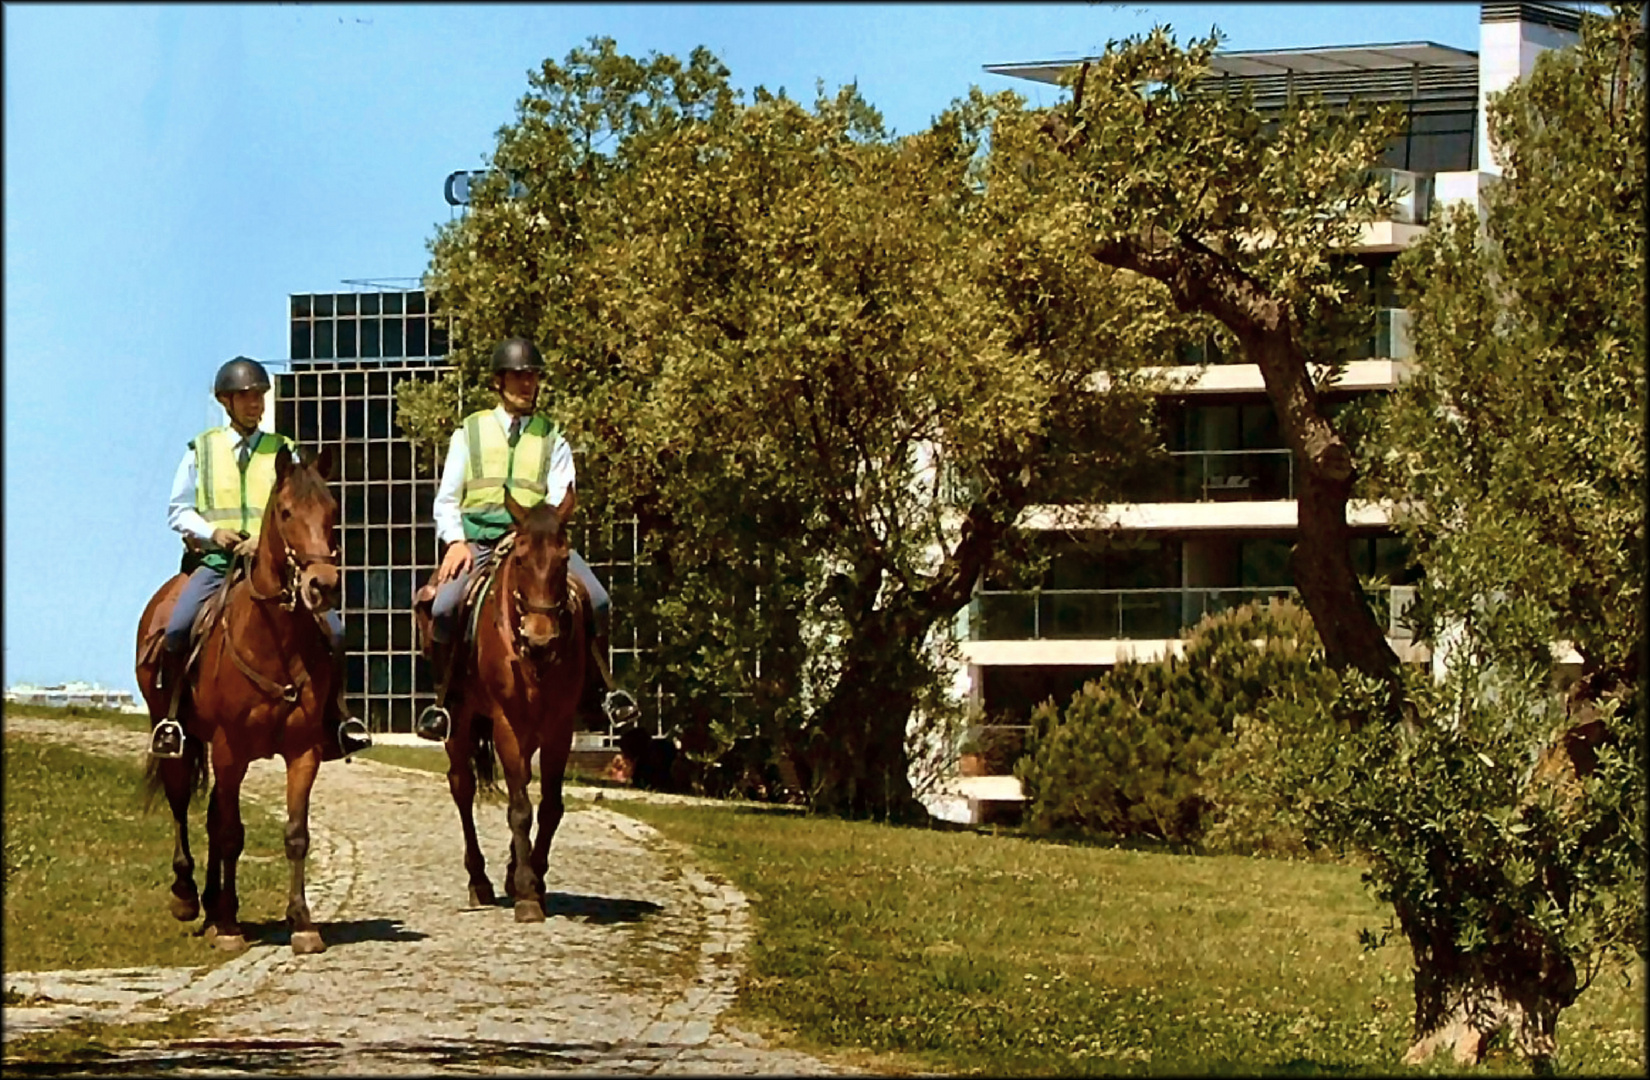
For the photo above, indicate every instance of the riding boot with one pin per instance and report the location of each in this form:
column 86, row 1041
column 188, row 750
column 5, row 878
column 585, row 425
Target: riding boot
column 351, row 734
column 435, row 723
column 166, row 740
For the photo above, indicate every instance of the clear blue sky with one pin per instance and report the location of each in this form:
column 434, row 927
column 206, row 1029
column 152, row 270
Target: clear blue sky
column 174, row 172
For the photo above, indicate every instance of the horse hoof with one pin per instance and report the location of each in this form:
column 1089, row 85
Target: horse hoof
column 482, row 896
column 306, row 942
column 230, row 943
column 184, row 908
column 529, row 911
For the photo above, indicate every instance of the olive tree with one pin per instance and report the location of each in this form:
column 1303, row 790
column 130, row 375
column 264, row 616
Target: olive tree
column 823, row 369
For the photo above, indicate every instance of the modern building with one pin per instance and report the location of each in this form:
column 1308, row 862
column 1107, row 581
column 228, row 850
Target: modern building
column 349, row 352
column 1216, row 529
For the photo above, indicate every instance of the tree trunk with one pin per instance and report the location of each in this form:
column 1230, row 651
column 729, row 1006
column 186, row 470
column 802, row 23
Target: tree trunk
column 858, row 763
column 1462, row 1002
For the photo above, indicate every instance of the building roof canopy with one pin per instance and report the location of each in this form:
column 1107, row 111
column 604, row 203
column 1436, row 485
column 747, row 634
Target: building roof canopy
column 1335, row 59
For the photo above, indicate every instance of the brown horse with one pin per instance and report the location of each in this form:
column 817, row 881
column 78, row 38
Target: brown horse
column 524, row 678
column 261, row 687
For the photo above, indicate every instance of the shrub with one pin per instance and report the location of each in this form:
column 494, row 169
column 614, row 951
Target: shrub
column 1149, row 750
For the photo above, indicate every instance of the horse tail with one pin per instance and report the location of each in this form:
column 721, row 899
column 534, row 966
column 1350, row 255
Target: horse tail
column 481, row 756
column 194, row 761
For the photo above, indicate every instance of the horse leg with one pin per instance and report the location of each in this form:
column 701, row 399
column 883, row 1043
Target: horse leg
column 185, row 904
column 528, row 907
column 461, row 782
column 552, row 767
column 300, row 778
column 226, row 836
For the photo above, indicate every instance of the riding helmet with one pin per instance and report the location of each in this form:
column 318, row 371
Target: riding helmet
column 517, row 354
column 241, row 373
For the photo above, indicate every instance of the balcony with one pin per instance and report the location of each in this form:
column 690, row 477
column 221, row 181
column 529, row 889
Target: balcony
column 1126, row 614
column 1220, row 476
column 1410, row 193
column 1390, row 341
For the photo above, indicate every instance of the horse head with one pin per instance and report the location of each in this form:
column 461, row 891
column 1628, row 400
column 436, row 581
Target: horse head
column 299, row 521
column 537, row 562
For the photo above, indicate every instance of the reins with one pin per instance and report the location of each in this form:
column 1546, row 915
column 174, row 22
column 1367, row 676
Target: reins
column 288, row 598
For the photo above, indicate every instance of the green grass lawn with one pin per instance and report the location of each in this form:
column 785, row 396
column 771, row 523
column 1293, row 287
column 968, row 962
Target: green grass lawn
column 89, row 873
column 964, row 952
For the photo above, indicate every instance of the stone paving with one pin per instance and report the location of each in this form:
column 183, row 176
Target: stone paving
column 630, row 973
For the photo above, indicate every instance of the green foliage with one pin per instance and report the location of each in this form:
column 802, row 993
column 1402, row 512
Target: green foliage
column 906, row 951
column 822, row 369
column 1478, row 841
column 1150, row 749
column 93, row 871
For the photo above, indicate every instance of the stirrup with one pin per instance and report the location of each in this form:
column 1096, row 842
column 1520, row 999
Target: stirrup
column 353, row 736
column 434, row 724
column 166, row 740
column 620, row 707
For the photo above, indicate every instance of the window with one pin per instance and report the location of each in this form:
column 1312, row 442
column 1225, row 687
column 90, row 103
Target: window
column 300, row 341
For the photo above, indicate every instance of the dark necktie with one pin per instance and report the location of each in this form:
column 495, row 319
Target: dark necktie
column 245, row 452
column 515, row 429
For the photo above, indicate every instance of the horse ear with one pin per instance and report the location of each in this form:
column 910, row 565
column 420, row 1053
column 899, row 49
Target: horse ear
column 283, row 463
column 324, row 462
column 517, row 513
column 569, row 502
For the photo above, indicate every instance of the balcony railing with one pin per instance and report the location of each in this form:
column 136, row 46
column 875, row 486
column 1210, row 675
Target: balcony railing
column 1221, row 476
column 1118, row 614
column 1390, row 341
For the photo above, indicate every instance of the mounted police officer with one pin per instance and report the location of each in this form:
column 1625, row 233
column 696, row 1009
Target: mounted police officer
column 219, row 493
column 510, row 446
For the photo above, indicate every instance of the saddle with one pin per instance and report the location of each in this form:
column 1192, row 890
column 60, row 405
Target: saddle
column 469, row 609
column 204, row 619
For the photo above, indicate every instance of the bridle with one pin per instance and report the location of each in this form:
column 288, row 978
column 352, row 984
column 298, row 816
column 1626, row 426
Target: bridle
column 555, row 609
column 296, row 562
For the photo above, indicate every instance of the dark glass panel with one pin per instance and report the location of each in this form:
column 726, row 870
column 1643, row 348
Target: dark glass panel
column 323, row 305
column 300, row 341
column 369, row 338
column 401, row 504
column 415, row 303
column 355, row 418
column 355, row 384
column 300, row 305
column 401, row 680
column 401, row 589
column 391, row 345
column 332, row 427
column 424, row 543
column 306, row 384
column 401, row 632
column 415, row 337
column 392, row 303
column 378, row 677
column 401, row 546
column 378, row 461
column 401, row 461
column 355, row 552
column 378, row 419
column 355, row 505
column 378, row 598
column 323, row 339
column 346, row 337
column 331, row 384
column 378, row 547
column 309, row 422
column 378, row 504
column 378, row 384
column 346, row 303
column 355, row 461
column 369, row 303
column 285, row 417
column 355, row 593
column 355, row 666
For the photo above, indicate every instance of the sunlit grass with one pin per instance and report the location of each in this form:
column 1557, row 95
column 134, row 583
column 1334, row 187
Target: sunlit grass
column 89, row 873
column 911, row 949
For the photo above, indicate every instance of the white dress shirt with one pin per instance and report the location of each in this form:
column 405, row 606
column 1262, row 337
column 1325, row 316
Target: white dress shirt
column 449, row 521
column 181, row 514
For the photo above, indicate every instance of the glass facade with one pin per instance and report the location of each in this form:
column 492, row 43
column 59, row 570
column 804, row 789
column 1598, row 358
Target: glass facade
column 350, row 351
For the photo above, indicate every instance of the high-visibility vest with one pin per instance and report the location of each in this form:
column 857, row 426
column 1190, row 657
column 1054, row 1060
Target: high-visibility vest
column 226, row 495
column 495, row 465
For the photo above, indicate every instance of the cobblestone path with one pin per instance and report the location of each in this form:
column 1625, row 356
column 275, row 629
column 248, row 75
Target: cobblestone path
column 629, row 974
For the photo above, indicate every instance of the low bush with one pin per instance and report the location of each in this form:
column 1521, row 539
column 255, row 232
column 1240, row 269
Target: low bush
column 1179, row 750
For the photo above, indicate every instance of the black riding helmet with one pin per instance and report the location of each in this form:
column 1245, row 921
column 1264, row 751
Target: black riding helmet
column 517, row 354
column 241, row 373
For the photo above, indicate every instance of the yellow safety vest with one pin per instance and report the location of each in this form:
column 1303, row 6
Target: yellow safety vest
column 495, row 465
column 228, row 496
